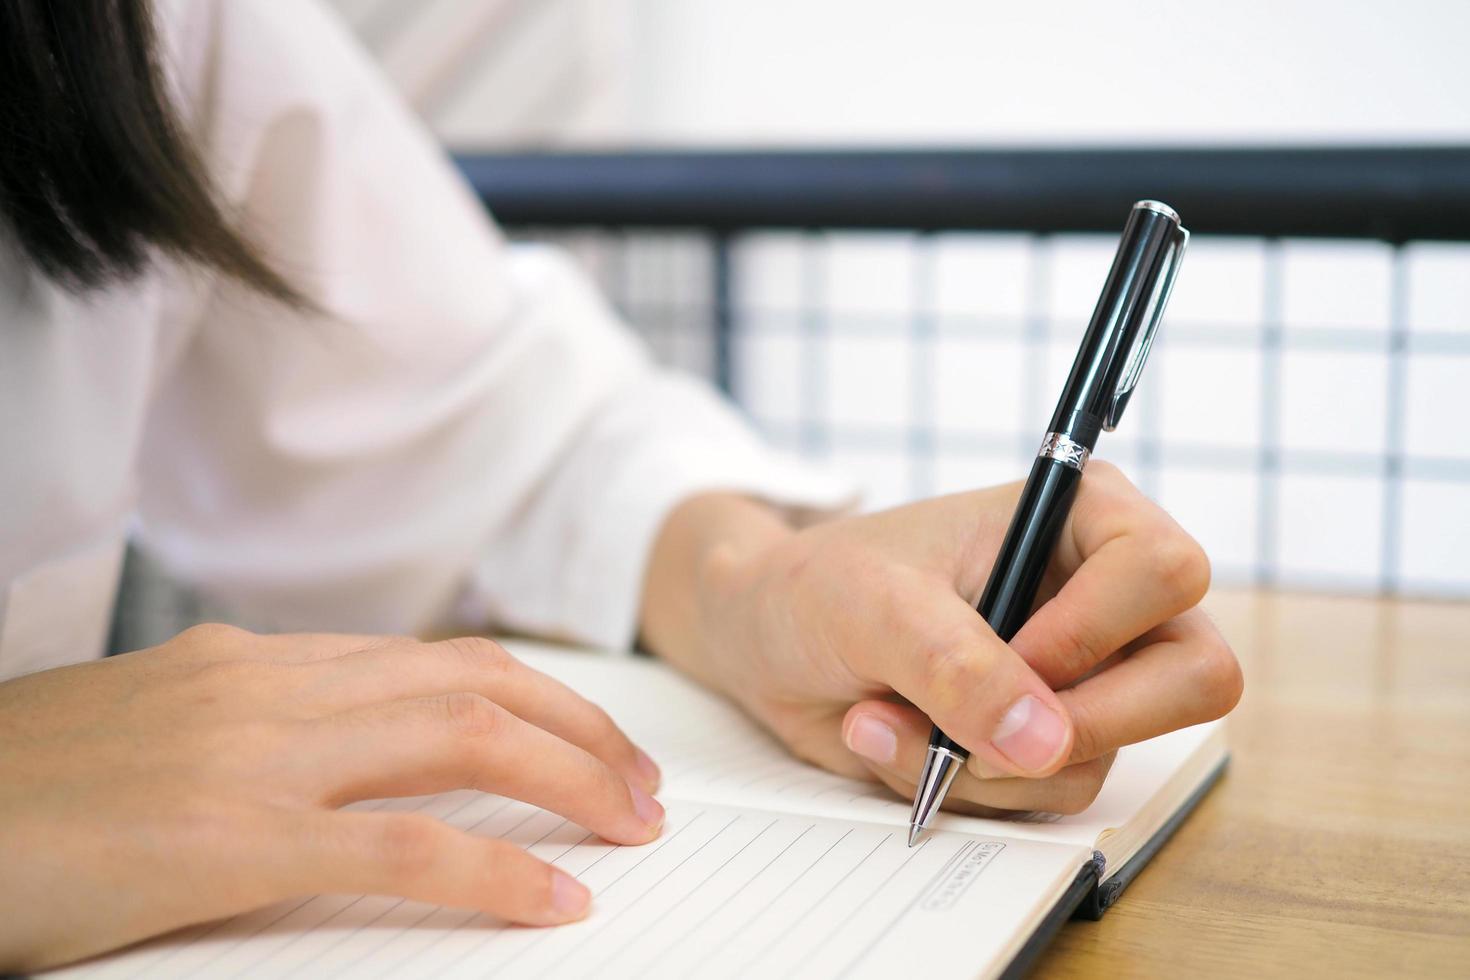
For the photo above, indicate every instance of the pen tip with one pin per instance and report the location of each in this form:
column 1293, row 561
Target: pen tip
column 940, row 768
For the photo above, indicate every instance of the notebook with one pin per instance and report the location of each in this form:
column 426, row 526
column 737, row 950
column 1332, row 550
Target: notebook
column 767, row 867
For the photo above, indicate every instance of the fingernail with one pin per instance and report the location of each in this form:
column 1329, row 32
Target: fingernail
column 647, row 769
column 569, row 897
column 871, row 739
column 1031, row 734
column 647, row 808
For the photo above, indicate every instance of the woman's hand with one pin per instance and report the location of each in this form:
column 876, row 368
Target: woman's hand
column 847, row 638
column 201, row 778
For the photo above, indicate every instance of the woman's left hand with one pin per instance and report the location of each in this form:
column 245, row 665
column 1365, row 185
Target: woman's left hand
column 205, row 777
column 847, row 638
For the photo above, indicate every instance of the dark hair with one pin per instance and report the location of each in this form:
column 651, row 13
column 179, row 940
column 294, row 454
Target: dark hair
column 96, row 173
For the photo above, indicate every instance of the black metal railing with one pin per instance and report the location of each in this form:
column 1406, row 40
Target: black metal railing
column 1395, row 195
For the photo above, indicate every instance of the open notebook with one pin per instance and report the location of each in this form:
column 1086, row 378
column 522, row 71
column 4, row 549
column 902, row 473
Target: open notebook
column 767, row 867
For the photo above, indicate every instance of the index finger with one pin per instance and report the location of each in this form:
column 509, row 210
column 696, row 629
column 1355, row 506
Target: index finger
column 215, row 642
column 465, row 741
column 416, row 670
column 935, row 651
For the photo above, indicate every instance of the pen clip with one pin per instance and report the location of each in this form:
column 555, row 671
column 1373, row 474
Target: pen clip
column 1136, row 358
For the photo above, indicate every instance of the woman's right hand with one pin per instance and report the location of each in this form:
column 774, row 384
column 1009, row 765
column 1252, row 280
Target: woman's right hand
column 203, row 777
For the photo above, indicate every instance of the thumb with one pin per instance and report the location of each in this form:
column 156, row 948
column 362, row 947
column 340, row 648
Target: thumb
column 944, row 658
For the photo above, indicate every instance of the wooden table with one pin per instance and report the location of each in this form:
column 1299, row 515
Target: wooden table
column 1338, row 843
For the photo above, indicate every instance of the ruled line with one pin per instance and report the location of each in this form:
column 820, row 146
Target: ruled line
column 791, row 926
column 454, row 929
column 702, row 883
column 775, row 768
column 302, row 935
column 377, row 918
column 641, row 895
column 816, row 947
column 296, row 939
column 692, row 930
column 225, row 952
column 880, row 934
column 608, row 887
column 439, row 908
column 505, row 928
column 781, row 894
column 153, row 966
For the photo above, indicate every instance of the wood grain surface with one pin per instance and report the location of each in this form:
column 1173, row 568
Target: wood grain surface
column 1338, row 843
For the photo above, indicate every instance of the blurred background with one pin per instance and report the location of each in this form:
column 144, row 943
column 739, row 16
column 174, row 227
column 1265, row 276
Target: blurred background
column 1303, row 412
column 553, row 72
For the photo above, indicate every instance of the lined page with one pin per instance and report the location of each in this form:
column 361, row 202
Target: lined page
column 724, row 893
column 711, row 751
column 767, row 866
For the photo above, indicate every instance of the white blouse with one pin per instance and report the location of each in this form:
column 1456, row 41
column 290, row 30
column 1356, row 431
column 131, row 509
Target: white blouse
column 470, row 439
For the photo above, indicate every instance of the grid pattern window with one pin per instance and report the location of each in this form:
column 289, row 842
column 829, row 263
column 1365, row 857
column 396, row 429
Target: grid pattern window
column 1301, row 414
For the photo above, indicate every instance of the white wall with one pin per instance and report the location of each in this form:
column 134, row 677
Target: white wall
column 503, row 72
column 963, row 71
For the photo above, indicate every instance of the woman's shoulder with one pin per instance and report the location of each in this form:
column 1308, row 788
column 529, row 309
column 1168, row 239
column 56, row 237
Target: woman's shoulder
column 275, row 49
column 239, row 67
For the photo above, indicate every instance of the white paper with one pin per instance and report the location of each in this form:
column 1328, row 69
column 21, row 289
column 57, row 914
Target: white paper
column 766, row 867
column 711, row 751
column 724, row 892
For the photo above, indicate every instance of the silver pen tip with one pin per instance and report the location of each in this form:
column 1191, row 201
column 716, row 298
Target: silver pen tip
column 941, row 766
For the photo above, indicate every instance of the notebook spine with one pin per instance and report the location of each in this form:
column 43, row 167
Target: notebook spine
column 1102, row 893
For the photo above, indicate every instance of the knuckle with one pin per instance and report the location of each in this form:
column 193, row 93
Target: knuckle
column 1221, row 681
column 956, row 663
column 1083, row 645
column 406, row 846
column 1086, row 741
column 208, row 635
column 470, row 716
column 950, row 676
column 1181, row 564
column 1102, row 471
column 480, row 653
column 599, row 784
column 605, row 730
column 386, row 641
column 539, row 883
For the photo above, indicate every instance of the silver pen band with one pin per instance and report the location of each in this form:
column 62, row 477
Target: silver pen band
column 1064, row 450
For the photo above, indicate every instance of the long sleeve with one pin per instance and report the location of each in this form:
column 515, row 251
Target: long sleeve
column 466, row 436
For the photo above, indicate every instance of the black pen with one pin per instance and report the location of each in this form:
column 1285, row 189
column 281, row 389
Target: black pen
column 1103, row 377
